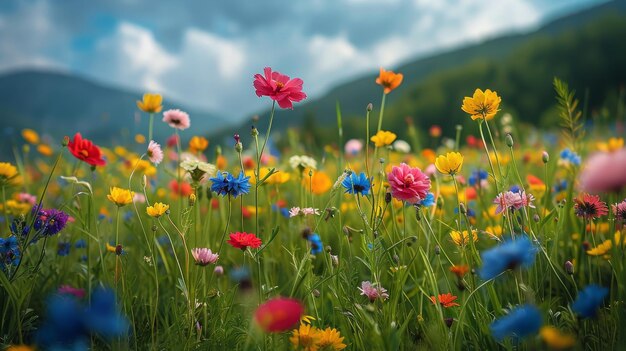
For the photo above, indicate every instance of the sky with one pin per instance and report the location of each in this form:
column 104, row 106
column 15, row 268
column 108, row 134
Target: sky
column 204, row 53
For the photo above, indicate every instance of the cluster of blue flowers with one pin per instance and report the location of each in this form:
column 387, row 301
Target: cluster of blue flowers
column 357, row 184
column 477, row 176
column 570, row 156
column 9, row 252
column 225, row 183
column 520, row 322
column 69, row 325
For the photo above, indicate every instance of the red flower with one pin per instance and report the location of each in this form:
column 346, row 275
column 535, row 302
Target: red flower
column 279, row 88
column 446, row 300
column 184, row 189
column 85, row 150
column 590, row 207
column 279, row 314
column 243, row 240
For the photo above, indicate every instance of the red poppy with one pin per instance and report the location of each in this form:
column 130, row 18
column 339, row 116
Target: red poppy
column 184, row 189
column 279, row 314
column 85, row 150
column 244, row 240
column 446, row 300
column 279, row 88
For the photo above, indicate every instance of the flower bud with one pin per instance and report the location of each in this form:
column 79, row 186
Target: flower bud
column 462, row 208
column 238, row 147
column 237, row 138
column 335, row 260
column 545, row 157
column 154, row 228
column 536, row 218
column 509, row 140
column 396, row 258
column 254, row 132
column 192, row 200
column 459, row 127
column 448, row 321
column 569, row 267
column 437, row 250
column 387, row 197
column 370, row 107
column 316, row 293
column 66, row 141
column 219, row 270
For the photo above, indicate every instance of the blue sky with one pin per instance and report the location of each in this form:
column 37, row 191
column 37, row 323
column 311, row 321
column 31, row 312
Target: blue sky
column 204, row 53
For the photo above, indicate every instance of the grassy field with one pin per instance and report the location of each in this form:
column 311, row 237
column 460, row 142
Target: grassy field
column 509, row 239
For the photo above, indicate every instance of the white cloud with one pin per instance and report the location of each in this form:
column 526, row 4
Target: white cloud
column 229, row 56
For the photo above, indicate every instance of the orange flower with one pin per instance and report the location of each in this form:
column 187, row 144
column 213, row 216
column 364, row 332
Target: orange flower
column 389, row 80
column 446, row 300
column 318, row 183
column 198, row 144
column 459, row 271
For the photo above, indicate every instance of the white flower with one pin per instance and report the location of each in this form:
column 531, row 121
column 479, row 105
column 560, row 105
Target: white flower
column 302, row 162
column 402, row 146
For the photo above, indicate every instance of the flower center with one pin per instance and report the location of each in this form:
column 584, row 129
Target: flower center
column 85, row 153
column 279, row 85
column 409, row 180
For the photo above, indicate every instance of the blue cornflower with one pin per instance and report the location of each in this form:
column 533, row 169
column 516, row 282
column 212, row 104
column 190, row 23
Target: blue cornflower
column 515, row 189
column 80, row 244
column 520, row 322
column 508, row 255
column 428, row 201
column 357, row 184
column 589, row 300
column 225, row 184
column 560, row 185
column 9, row 251
column 477, row 176
column 571, row 156
column 316, row 243
column 102, row 317
column 63, row 248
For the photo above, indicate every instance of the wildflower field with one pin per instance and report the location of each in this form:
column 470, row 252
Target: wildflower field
column 508, row 238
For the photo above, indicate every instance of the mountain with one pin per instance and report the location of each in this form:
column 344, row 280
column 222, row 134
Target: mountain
column 59, row 104
column 355, row 95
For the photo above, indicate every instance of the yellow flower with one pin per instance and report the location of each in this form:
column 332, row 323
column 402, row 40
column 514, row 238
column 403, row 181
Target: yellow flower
column 389, row 80
column 495, row 231
column 120, row 197
column 45, row 150
column 20, row 348
column 17, row 208
column 278, row 177
column 141, row 166
column 30, row 136
column 140, row 139
column 111, row 248
column 601, row 249
column 8, row 174
column 305, row 338
column 198, row 144
column 383, row 138
column 449, row 163
column 462, row 239
column 555, row 339
column 483, row 105
column 318, row 184
column 330, row 339
column 612, row 145
column 306, row 319
column 151, row 103
column 157, row 210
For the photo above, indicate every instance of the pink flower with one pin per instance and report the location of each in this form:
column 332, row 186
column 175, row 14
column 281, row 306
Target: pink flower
column 176, row 119
column 619, row 210
column 204, row 256
column 604, row 172
column 26, row 197
column 294, row 211
column 279, row 88
column 353, row 147
column 515, row 201
column 139, row 198
column 68, row 290
column 589, row 206
column 219, row 270
column 155, row 154
column 310, row 211
column 373, row 292
column 408, row 184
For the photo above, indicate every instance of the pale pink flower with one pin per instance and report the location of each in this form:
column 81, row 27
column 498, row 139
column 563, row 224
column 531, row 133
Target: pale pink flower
column 408, row 184
column 310, row 211
column 510, row 200
column 204, row 256
column 176, row 119
column 373, row 292
column 69, row 290
column 219, row 270
column 155, row 154
column 430, row 170
column 619, row 210
column 604, row 172
column 353, row 147
column 294, row 211
column 139, row 198
column 26, row 197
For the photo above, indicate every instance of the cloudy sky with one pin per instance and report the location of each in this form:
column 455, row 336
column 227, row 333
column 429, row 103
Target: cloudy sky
column 204, row 53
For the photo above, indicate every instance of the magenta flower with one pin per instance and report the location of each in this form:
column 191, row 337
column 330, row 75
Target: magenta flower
column 373, row 292
column 204, row 256
column 408, row 184
column 69, row 290
column 604, row 172
column 176, row 119
column 155, row 154
column 619, row 210
column 26, row 197
column 279, row 88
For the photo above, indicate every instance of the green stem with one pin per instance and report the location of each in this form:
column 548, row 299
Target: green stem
column 150, row 127
column 382, row 111
column 493, row 172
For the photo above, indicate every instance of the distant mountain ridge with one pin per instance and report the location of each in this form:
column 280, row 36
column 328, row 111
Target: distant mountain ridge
column 58, row 104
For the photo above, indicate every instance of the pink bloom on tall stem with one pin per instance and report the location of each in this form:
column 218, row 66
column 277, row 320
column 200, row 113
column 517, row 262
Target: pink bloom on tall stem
column 279, row 88
column 176, row 119
column 408, row 184
column 589, row 206
column 509, row 200
column 373, row 292
column 204, row 256
column 155, row 154
column 604, row 172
